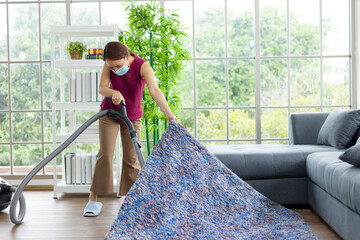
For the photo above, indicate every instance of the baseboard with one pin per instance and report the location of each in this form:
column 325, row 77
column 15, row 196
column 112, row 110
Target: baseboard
column 39, row 187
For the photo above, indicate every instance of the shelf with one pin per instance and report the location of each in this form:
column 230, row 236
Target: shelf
column 78, row 188
column 76, row 64
column 78, row 106
column 89, row 135
column 68, row 110
column 83, row 138
column 85, row 31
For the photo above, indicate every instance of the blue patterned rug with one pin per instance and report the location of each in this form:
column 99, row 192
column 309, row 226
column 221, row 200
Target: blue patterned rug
column 185, row 192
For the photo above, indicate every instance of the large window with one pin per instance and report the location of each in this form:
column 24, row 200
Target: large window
column 257, row 61
column 254, row 63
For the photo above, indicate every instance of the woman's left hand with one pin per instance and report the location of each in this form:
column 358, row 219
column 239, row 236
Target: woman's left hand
column 172, row 117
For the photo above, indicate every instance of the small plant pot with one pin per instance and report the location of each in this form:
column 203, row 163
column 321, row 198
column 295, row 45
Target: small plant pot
column 76, row 54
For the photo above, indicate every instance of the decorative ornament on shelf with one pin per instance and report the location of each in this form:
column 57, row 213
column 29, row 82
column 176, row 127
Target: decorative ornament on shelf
column 76, row 49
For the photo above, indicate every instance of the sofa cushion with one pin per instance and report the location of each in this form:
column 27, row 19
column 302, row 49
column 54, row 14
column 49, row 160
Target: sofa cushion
column 266, row 161
column 304, row 127
column 339, row 179
column 352, row 155
column 339, row 128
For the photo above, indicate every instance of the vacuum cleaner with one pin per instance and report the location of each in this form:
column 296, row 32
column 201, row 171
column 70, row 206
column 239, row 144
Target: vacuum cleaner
column 6, row 191
column 18, row 196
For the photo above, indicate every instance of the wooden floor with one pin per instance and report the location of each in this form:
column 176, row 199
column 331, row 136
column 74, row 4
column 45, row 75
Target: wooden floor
column 47, row 218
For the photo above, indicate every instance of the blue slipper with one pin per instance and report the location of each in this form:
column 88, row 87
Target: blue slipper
column 92, row 209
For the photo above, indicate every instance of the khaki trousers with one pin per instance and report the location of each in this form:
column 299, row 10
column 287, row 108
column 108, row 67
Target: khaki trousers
column 103, row 173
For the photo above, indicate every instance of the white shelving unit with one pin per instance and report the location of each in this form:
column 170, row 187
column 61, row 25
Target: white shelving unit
column 63, row 34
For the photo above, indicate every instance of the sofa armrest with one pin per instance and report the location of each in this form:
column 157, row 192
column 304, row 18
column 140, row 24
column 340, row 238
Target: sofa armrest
column 304, row 127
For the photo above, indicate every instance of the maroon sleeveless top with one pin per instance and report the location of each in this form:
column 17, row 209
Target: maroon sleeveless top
column 131, row 86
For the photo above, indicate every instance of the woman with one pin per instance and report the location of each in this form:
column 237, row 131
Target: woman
column 123, row 78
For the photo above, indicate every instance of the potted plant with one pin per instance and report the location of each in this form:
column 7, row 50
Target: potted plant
column 76, row 49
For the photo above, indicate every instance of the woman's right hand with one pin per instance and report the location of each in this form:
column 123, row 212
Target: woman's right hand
column 117, row 97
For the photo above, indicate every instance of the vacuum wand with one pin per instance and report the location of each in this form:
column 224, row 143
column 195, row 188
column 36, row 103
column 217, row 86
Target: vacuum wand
column 133, row 134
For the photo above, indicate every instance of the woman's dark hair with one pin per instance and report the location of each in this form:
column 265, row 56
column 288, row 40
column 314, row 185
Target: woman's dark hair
column 116, row 50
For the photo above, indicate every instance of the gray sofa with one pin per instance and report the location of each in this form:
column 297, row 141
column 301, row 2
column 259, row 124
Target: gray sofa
column 302, row 172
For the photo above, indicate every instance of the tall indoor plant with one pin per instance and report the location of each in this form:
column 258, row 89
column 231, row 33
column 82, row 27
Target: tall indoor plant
column 157, row 36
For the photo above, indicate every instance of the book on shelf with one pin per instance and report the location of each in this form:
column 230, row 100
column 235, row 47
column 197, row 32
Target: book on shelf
column 78, row 158
column 84, row 87
column 68, row 167
column 95, row 51
column 94, row 56
column 79, row 168
column 88, row 168
column 83, row 169
column 93, row 87
column 73, row 170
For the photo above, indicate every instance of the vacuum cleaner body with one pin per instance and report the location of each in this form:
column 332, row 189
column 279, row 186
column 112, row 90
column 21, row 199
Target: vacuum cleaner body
column 5, row 194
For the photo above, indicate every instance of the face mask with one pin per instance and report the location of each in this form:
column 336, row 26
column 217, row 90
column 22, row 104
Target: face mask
column 122, row 71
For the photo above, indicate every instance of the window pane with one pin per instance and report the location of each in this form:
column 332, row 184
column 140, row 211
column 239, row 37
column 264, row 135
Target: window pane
column 3, row 34
column 305, row 81
column 46, row 84
column 4, row 127
column 25, row 86
column 184, row 9
column 304, row 27
column 211, row 124
column 273, row 34
column 82, row 117
column 113, row 13
column 186, row 84
column 4, row 87
column 241, row 83
column 47, row 94
column 273, row 82
column 26, row 127
column 51, row 14
column 26, row 156
column 66, row 128
column 240, row 28
column 242, row 124
column 209, row 28
column 186, row 119
column 336, row 29
column 336, row 81
column 87, row 148
column 24, row 31
column 85, row 14
column 49, row 168
column 274, row 123
column 48, row 134
column 4, row 159
column 210, row 79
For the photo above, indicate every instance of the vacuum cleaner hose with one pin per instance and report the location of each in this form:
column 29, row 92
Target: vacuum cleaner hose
column 18, row 193
column 22, row 206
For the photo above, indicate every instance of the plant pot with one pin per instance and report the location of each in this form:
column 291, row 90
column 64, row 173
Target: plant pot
column 74, row 54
